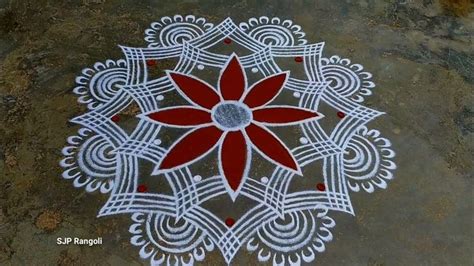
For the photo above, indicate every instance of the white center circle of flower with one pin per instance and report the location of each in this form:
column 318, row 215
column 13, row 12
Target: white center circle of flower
column 231, row 115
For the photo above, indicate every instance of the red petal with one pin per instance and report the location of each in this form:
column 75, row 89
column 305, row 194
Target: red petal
column 232, row 80
column 282, row 115
column 265, row 90
column 196, row 90
column 271, row 146
column 181, row 116
column 234, row 156
column 191, row 146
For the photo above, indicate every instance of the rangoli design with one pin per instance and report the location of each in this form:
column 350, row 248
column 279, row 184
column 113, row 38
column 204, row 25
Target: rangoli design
column 219, row 141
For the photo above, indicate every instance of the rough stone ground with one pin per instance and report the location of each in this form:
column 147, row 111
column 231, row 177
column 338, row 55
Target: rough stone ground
column 421, row 55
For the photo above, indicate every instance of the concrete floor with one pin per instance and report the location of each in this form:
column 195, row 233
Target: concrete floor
column 420, row 53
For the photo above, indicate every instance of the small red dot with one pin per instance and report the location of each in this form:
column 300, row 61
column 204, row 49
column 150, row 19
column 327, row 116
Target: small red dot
column 115, row 118
column 142, row 188
column 321, row 187
column 341, row 114
column 151, row 63
column 298, row 59
column 229, row 222
column 227, row 40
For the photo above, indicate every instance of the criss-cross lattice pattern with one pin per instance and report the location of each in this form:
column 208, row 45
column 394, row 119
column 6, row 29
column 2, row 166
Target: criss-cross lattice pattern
column 284, row 227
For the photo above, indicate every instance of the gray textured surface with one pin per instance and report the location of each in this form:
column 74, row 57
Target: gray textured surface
column 421, row 56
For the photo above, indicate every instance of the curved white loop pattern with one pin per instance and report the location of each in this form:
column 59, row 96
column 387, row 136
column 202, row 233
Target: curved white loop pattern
column 176, row 30
column 348, row 80
column 293, row 239
column 368, row 161
column 165, row 240
column 274, row 31
column 100, row 83
column 87, row 161
column 284, row 227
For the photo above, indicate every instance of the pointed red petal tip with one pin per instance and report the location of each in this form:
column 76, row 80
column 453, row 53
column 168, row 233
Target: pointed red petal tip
column 234, row 157
column 181, row 116
column 298, row 59
column 232, row 80
column 282, row 115
column 265, row 90
column 227, row 41
column 196, row 90
column 341, row 114
column 272, row 147
column 191, row 146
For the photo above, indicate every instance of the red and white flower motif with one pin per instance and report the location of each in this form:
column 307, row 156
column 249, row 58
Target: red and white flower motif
column 232, row 118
